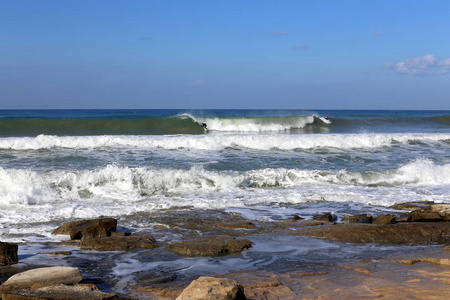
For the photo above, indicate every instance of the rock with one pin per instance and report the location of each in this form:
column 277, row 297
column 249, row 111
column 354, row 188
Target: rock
column 433, row 213
column 425, row 216
column 8, row 253
column 124, row 243
column 210, row 247
column 238, row 225
column 210, row 288
column 58, row 253
column 296, row 218
column 325, row 217
column 403, row 233
column 442, row 210
column 384, row 219
column 88, row 228
column 58, row 292
column 42, row 277
column 361, row 218
column 119, row 233
column 412, row 205
column 403, row 218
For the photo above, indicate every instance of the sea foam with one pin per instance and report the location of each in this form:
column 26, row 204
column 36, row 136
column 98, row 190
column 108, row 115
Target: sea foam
column 219, row 142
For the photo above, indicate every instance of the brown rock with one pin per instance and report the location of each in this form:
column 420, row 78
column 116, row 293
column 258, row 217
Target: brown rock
column 329, row 217
column 124, row 243
column 59, row 292
column 119, row 233
column 384, row 219
column 403, row 218
column 43, row 277
column 361, row 218
column 238, row 225
column 8, row 253
column 88, row 228
column 403, row 233
column 210, row 247
column 210, row 288
column 425, row 216
column 412, row 205
column 442, row 210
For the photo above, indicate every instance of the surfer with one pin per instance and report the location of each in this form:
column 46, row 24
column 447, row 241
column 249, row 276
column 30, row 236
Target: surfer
column 204, row 126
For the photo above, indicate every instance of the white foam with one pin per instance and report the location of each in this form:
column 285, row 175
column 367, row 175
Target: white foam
column 219, row 142
column 28, row 196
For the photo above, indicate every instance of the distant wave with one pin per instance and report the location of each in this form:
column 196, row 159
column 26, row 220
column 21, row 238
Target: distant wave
column 218, row 142
column 179, row 124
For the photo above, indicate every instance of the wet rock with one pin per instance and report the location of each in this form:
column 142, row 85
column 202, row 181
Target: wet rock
column 237, row 225
column 431, row 260
column 296, row 218
column 412, row 205
column 210, row 247
column 42, row 276
column 124, row 243
column 384, row 219
column 425, row 216
column 59, row 292
column 58, row 253
column 329, row 217
column 210, row 288
column 8, row 253
column 403, row 218
column 433, row 213
column 361, row 218
column 88, row 228
column 416, row 233
column 443, row 210
column 121, row 233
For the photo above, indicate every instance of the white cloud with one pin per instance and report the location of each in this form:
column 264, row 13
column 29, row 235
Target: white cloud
column 427, row 65
column 445, row 63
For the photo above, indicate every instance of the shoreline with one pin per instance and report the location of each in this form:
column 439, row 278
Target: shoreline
column 289, row 259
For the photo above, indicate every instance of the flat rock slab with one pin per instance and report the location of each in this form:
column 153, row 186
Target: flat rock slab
column 124, row 243
column 415, row 233
column 210, row 247
column 88, row 228
column 60, row 292
column 42, row 277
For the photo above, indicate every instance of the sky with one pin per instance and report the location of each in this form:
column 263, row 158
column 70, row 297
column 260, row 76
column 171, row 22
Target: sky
column 229, row 54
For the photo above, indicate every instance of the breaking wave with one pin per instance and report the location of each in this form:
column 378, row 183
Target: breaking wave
column 218, row 142
column 127, row 185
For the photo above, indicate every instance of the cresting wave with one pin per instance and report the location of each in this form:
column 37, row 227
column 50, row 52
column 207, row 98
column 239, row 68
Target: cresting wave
column 218, row 142
column 179, row 124
column 259, row 124
column 123, row 184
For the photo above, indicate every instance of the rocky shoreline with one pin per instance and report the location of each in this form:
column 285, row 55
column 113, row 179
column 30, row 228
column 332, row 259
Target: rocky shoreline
column 217, row 234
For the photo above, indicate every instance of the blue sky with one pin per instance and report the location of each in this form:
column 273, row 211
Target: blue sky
column 225, row 54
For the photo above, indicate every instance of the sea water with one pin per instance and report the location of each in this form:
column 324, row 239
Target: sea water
column 62, row 165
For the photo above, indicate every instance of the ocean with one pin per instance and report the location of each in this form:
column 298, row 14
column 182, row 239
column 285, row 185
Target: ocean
column 62, row 165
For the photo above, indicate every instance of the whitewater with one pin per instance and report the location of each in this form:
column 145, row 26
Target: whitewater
column 259, row 164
